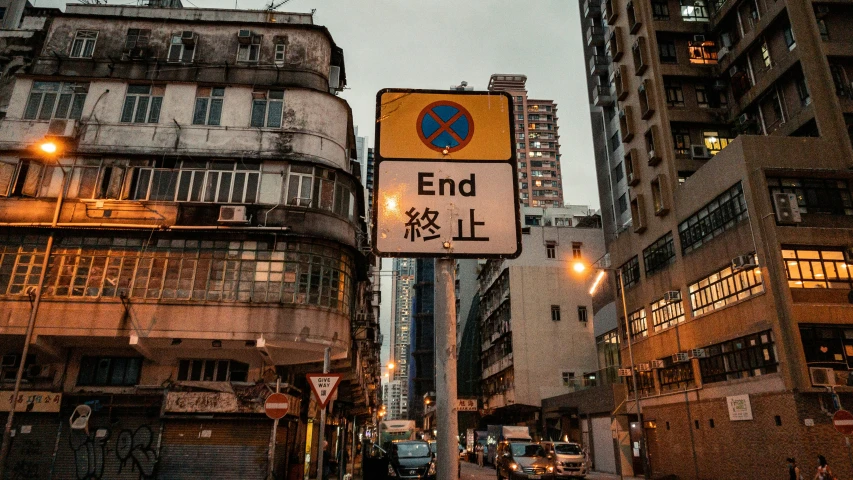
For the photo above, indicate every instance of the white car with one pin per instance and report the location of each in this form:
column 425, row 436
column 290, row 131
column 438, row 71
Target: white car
column 569, row 458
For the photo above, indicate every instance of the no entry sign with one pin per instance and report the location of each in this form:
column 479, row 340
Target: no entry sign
column 276, row 406
column 843, row 422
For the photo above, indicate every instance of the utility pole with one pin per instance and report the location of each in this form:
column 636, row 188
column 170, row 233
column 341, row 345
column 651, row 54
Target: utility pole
column 447, row 456
column 321, row 438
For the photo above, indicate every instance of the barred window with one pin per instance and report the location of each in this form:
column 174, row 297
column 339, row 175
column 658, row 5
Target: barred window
column 637, row 323
column 748, row 356
column 666, row 315
column 630, row 272
column 169, row 268
column 659, row 254
column 676, row 376
column 817, row 267
column 816, row 195
column 719, row 215
column 722, row 288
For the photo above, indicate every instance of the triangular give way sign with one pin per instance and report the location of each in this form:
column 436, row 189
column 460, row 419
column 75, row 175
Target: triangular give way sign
column 324, row 386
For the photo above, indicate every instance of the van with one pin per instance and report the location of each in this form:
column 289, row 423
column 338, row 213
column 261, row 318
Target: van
column 569, row 459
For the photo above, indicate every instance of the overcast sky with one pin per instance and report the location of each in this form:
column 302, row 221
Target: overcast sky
column 438, row 43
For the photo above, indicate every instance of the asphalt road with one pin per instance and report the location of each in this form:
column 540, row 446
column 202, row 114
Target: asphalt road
column 470, row 471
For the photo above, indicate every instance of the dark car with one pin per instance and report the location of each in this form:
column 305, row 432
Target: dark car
column 523, row 461
column 411, row 459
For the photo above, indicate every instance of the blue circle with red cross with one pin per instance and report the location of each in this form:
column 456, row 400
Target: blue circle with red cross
column 445, row 126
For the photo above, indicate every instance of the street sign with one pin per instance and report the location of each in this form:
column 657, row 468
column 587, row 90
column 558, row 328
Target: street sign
column 422, row 207
column 446, row 177
column 466, row 404
column 444, row 125
column 276, row 406
column 842, row 420
column 324, row 385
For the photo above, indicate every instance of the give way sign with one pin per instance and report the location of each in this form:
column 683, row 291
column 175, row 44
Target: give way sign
column 324, row 385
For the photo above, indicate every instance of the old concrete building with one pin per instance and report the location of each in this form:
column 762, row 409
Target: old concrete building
column 722, row 133
column 196, row 234
column 535, row 321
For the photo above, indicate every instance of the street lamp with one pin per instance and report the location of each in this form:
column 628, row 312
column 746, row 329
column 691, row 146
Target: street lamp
column 580, row 267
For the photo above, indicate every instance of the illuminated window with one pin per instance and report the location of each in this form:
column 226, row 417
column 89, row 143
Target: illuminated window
column 714, row 142
column 765, row 55
column 703, row 52
column 666, row 315
column 694, row 11
column 637, row 323
column 816, row 268
column 722, row 288
column 816, row 195
column 681, row 140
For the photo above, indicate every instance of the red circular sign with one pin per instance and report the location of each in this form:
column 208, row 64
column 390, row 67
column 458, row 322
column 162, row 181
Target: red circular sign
column 445, row 126
column 276, row 406
column 843, row 422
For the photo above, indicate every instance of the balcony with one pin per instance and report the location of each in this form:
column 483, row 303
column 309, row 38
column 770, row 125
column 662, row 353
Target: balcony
column 598, row 64
column 592, row 9
column 594, row 36
column 602, row 96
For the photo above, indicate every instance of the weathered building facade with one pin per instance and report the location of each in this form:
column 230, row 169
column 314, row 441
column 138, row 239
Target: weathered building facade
column 200, row 227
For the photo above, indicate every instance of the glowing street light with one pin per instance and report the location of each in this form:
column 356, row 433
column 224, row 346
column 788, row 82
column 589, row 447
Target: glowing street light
column 48, row 147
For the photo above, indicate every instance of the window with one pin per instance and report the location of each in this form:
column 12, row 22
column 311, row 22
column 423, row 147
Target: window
column 724, row 287
column 250, row 52
column 199, row 181
column 666, row 315
column 630, row 272
column 694, row 11
column 555, row 313
column 789, row 37
column 637, row 323
column 676, row 376
column 765, row 55
column 2, row 13
column 714, row 142
column 824, row 31
column 816, row 195
column 582, row 314
column 817, row 267
column 49, row 100
column 299, row 186
column 615, row 141
column 701, row 96
column 623, row 203
column 208, row 105
column 660, row 9
column 703, row 53
column 828, row 346
column 551, row 249
column 749, row 356
column 803, row 92
column 618, row 173
column 84, row 44
column 659, row 254
column 109, row 371
column 674, row 93
column 267, row 107
column 576, row 250
column 142, row 104
column 212, row 371
column 520, row 118
column 719, row 215
column 180, row 52
column 681, row 140
column 137, row 38
column 280, row 54
column 666, row 49
column 569, row 379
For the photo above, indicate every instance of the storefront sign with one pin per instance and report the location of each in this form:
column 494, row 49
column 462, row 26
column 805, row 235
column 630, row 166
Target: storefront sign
column 41, row 402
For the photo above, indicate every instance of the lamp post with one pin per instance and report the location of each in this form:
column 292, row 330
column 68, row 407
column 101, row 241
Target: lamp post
column 49, row 149
column 580, row 267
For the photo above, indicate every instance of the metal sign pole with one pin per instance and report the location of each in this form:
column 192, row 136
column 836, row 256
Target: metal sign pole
column 272, row 436
column 321, row 438
column 447, row 456
column 849, row 453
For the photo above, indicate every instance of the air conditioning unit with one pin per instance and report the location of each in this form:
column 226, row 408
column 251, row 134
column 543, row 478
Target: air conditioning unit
column 244, row 37
column 644, row 367
column 744, row 262
column 680, row 357
column 787, row 208
column 658, row 364
column 699, row 152
column 39, row 371
column 9, row 361
column 624, row 372
column 232, row 214
column 698, row 38
column 697, row 353
column 821, row 11
column 188, row 37
column 822, row 376
column 672, row 296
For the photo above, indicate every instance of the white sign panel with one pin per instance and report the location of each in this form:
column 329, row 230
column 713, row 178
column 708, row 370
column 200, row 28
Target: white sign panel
column 739, row 407
column 437, row 209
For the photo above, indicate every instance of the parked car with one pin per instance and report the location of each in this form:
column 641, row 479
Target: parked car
column 569, row 459
column 411, row 459
column 523, row 461
column 432, row 451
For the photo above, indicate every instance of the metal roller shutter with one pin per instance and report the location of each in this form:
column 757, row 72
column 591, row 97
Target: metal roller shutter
column 32, row 447
column 121, row 446
column 215, row 449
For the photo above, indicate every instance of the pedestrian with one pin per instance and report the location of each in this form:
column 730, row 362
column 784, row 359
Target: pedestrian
column 480, row 456
column 823, row 470
column 794, row 470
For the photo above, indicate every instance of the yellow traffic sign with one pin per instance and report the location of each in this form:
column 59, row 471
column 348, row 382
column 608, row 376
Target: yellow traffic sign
column 444, row 125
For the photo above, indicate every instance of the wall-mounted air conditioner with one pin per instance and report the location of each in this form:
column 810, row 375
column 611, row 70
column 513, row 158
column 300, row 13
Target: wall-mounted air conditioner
column 244, row 37
column 672, row 296
column 624, row 372
column 822, row 376
column 787, row 208
column 188, row 37
column 744, row 262
column 697, row 353
column 680, row 357
column 658, row 364
column 698, row 152
column 644, row 367
column 232, row 214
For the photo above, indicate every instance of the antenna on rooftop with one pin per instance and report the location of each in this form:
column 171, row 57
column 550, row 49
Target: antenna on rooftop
column 273, row 5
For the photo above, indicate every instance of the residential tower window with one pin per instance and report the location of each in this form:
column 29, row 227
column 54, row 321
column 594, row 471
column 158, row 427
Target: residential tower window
column 681, row 140
column 660, row 9
column 267, row 107
column 137, row 38
column 694, row 11
column 582, row 314
column 666, row 315
column 659, row 254
column 179, row 51
column 568, row 379
column 208, row 105
column 84, row 44
column 623, row 203
column 212, row 371
column 724, row 287
column 109, row 371
column 555, row 313
column 49, row 100
column 666, row 50
column 817, row 267
column 551, row 249
column 637, row 324
column 630, row 272
column 816, row 195
column 250, row 52
column 714, row 142
column 703, row 52
column 142, row 104
column 719, row 215
column 790, row 42
column 576, row 250
column 674, row 93
column 280, row 54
